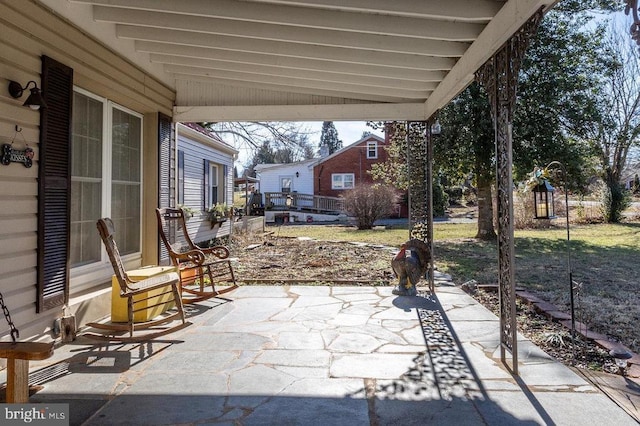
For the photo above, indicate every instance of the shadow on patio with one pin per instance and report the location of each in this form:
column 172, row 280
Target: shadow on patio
column 321, row 355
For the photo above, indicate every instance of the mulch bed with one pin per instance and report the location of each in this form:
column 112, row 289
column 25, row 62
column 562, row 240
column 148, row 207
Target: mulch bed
column 552, row 337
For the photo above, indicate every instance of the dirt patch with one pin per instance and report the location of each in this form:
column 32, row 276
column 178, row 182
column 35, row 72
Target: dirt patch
column 280, row 259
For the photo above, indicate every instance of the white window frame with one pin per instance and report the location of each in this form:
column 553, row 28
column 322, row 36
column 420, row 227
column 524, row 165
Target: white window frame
column 339, row 184
column 370, row 145
column 281, row 178
column 213, row 183
column 84, row 276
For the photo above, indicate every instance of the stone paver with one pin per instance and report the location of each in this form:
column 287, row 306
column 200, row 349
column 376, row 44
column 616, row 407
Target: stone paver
column 323, row 356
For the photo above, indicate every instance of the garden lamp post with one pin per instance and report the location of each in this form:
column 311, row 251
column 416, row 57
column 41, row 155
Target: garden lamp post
column 543, row 209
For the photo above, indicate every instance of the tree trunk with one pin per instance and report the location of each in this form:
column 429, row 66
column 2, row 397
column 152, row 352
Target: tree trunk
column 485, row 210
column 616, row 203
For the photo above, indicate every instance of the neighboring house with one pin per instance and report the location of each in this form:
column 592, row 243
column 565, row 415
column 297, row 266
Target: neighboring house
column 286, row 177
column 348, row 166
column 204, row 177
column 631, row 175
column 329, row 177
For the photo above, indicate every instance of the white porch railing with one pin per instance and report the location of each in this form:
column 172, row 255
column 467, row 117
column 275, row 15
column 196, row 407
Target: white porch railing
column 317, row 203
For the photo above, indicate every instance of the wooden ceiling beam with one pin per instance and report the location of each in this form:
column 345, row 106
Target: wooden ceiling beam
column 459, row 10
column 368, row 70
column 374, row 23
column 323, row 76
column 252, row 30
column 286, row 82
column 337, row 54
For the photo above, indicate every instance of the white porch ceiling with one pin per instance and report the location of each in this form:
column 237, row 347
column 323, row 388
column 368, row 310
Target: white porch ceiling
column 237, row 60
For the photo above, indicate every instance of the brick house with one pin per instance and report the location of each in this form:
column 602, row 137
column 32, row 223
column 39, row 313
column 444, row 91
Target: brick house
column 348, row 166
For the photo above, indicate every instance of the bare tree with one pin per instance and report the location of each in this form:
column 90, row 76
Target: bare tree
column 618, row 130
column 255, row 133
column 269, row 141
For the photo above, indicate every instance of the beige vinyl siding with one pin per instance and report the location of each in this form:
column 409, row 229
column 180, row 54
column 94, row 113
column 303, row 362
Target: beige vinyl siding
column 28, row 31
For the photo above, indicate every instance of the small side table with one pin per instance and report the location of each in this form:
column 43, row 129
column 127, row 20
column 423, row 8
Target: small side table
column 119, row 304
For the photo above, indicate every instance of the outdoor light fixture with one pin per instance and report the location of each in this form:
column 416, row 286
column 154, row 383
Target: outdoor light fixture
column 297, row 174
column 543, row 209
column 436, row 129
column 543, row 201
column 34, row 101
column 621, row 357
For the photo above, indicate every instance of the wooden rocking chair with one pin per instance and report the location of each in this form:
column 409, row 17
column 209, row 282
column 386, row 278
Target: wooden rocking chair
column 198, row 267
column 138, row 300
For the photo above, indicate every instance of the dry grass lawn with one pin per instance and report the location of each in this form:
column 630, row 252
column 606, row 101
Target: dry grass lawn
column 603, row 260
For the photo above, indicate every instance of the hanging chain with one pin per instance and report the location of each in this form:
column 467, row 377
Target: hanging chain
column 14, row 331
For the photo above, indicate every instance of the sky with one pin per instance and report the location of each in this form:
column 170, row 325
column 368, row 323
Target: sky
column 348, row 131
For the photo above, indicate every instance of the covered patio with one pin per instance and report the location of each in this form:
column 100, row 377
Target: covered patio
column 282, row 60
column 164, row 62
column 324, row 356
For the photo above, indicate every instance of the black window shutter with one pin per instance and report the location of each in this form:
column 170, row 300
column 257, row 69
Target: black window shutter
column 54, row 185
column 207, row 191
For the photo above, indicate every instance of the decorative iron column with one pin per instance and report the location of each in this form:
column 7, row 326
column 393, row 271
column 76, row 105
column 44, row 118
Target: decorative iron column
column 499, row 76
column 420, row 178
column 416, row 172
column 429, row 207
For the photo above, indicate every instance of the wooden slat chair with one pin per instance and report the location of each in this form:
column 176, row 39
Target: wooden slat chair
column 200, row 269
column 169, row 291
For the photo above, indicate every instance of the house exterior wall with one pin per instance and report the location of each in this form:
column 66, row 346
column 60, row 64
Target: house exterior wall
column 198, row 149
column 270, row 176
column 27, row 32
column 351, row 159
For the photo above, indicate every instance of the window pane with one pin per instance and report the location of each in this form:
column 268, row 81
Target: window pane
column 180, row 188
column 213, row 184
column 86, row 179
column 336, row 181
column 372, row 149
column 85, row 211
column 285, row 184
column 348, row 180
column 125, row 185
column 125, row 213
column 126, row 146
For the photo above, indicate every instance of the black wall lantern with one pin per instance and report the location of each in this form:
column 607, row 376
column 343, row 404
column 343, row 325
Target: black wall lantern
column 34, row 101
column 543, row 201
